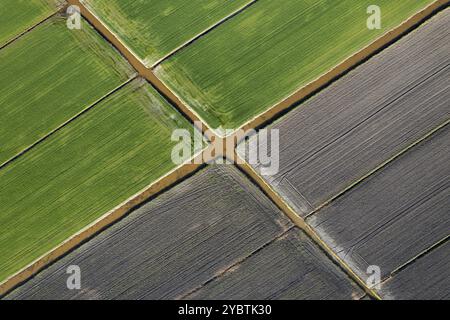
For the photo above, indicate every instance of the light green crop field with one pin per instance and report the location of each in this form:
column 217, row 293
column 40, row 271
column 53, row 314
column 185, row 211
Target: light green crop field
column 16, row 16
column 48, row 76
column 258, row 58
column 152, row 29
column 86, row 169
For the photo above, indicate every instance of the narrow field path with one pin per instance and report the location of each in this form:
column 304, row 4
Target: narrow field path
column 186, row 170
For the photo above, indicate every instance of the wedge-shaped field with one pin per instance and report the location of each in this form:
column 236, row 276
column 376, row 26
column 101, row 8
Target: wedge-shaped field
column 291, row 267
column 16, row 16
column 153, row 29
column 50, row 75
column 426, row 278
column 86, row 169
column 365, row 118
column 270, row 50
column 171, row 245
column 395, row 215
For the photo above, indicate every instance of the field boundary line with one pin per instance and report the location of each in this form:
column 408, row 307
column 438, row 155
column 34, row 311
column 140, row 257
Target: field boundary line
column 23, row 33
column 65, row 123
column 175, row 176
column 168, row 180
column 236, row 263
column 301, row 223
column 292, row 100
column 140, row 67
column 420, row 255
column 191, row 166
column 378, row 168
column 345, row 66
column 203, row 33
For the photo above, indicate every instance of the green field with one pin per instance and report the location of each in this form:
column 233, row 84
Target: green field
column 152, row 29
column 16, row 16
column 273, row 48
column 89, row 167
column 50, row 75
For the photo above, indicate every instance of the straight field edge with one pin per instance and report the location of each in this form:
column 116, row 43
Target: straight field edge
column 185, row 170
column 139, row 65
column 58, row 9
column 288, row 102
column 247, row 169
column 165, row 182
column 346, row 65
column 203, row 33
